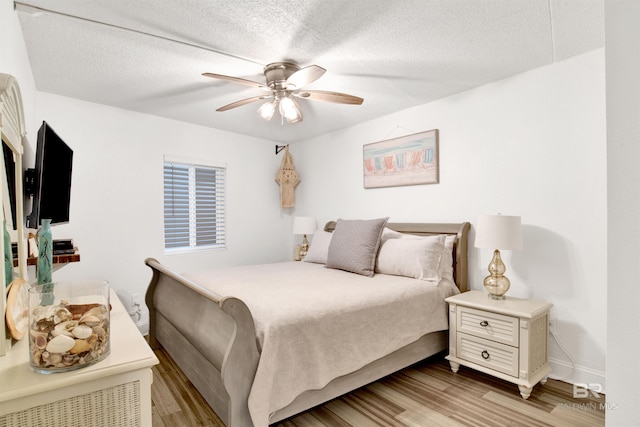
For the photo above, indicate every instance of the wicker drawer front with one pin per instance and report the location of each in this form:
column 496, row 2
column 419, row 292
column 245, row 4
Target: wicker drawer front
column 493, row 355
column 493, row 326
column 117, row 406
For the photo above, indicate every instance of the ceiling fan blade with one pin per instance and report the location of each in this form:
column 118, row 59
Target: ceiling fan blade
column 305, row 76
column 323, row 95
column 243, row 102
column 237, row 80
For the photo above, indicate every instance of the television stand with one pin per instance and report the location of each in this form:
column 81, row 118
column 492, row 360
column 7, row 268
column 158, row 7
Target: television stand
column 59, row 261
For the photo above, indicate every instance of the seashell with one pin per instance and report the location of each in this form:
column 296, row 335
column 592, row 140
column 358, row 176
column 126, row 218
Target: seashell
column 92, row 339
column 100, row 332
column 40, row 341
column 36, row 357
column 62, row 315
column 43, row 325
column 99, row 311
column 78, row 310
column 90, row 320
column 55, row 358
column 82, row 331
column 60, row 344
column 35, row 333
column 69, row 359
column 80, row 346
column 55, row 333
column 64, row 328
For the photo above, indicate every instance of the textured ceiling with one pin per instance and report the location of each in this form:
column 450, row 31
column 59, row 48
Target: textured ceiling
column 394, row 54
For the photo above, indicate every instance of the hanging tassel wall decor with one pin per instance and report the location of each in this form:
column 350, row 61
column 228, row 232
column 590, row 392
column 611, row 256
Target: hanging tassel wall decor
column 287, row 178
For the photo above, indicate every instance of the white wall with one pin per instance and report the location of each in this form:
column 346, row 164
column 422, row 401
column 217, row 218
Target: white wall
column 117, row 192
column 531, row 145
column 623, row 158
column 14, row 60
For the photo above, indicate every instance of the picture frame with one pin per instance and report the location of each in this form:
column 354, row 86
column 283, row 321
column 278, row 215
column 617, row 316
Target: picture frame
column 407, row 160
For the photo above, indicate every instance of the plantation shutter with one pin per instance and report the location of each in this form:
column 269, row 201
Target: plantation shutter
column 194, row 206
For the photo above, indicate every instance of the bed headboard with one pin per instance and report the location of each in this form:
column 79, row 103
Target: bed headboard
column 460, row 230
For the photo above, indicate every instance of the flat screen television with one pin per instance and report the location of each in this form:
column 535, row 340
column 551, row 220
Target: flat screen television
column 49, row 182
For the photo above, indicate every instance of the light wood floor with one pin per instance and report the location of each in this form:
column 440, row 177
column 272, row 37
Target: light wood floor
column 426, row 394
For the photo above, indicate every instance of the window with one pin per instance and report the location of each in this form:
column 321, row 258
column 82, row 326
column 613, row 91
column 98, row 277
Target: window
column 194, row 206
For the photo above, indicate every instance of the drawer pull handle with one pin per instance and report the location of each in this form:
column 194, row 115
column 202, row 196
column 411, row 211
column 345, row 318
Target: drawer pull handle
column 485, row 354
column 484, row 323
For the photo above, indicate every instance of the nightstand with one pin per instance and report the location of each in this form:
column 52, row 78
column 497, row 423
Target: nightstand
column 508, row 338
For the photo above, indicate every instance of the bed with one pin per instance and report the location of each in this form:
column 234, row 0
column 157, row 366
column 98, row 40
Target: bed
column 258, row 355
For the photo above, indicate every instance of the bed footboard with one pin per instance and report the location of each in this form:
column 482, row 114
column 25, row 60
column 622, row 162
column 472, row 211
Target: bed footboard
column 211, row 338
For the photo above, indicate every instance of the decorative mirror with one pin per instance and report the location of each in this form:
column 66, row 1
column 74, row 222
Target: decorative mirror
column 12, row 131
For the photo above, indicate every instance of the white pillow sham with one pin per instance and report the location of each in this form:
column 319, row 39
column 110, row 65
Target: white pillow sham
column 411, row 256
column 319, row 247
column 446, row 262
column 445, row 267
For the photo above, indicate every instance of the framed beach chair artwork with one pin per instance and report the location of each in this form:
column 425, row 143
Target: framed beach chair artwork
column 407, row 160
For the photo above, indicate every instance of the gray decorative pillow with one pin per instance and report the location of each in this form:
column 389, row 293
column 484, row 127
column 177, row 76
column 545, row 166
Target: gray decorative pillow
column 354, row 245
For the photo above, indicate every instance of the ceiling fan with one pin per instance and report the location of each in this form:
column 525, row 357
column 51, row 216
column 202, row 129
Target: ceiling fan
column 284, row 82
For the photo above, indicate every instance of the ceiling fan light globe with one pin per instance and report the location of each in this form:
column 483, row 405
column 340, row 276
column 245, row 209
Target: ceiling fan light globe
column 267, row 109
column 289, row 110
column 294, row 119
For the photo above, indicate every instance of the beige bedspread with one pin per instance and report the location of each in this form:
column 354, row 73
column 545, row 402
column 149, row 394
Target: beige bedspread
column 314, row 324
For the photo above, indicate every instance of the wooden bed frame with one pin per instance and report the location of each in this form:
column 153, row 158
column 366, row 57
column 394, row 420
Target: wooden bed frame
column 222, row 366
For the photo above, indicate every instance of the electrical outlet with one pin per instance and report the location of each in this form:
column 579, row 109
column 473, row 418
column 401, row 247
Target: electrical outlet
column 135, row 298
column 552, row 325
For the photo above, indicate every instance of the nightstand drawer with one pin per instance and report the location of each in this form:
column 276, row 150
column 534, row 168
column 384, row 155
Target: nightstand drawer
column 493, row 355
column 484, row 324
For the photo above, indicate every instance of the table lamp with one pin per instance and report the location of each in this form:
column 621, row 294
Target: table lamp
column 498, row 232
column 304, row 225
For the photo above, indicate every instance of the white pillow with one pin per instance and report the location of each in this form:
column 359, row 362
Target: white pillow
column 388, row 233
column 319, row 247
column 446, row 262
column 411, row 256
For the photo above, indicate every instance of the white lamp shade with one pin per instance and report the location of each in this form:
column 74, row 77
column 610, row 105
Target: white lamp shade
column 304, row 225
column 267, row 109
column 289, row 110
column 499, row 232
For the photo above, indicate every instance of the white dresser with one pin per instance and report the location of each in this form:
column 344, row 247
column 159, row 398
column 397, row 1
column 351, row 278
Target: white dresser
column 114, row 392
column 508, row 338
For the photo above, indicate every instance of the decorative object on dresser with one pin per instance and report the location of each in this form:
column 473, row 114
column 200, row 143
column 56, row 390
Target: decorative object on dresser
column 498, row 232
column 45, row 250
column 304, row 225
column 506, row 338
column 69, row 325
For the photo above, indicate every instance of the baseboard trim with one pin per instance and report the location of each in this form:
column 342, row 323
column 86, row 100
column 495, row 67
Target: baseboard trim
column 564, row 371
